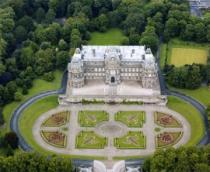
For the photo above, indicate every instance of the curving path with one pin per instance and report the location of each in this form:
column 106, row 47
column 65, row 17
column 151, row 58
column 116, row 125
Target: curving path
column 201, row 108
column 17, row 113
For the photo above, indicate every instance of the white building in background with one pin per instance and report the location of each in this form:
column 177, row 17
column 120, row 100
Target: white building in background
column 113, row 74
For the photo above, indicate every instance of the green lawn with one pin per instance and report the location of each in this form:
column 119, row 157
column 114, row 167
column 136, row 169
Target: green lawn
column 31, row 114
column 28, row 118
column 201, row 94
column 163, row 55
column 188, row 55
column 179, row 53
column 90, row 140
column 111, row 37
column 92, row 118
column 131, row 118
column 133, row 140
column 39, row 85
column 193, row 117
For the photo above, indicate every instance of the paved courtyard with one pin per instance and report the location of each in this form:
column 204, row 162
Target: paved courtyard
column 111, row 129
column 128, row 88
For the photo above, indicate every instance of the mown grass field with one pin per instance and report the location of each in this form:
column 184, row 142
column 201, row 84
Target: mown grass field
column 179, row 53
column 111, row 37
column 186, row 55
column 193, row 117
column 39, row 85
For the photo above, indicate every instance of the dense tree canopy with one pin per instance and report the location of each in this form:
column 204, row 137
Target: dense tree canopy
column 188, row 76
column 40, row 35
column 29, row 162
column 182, row 159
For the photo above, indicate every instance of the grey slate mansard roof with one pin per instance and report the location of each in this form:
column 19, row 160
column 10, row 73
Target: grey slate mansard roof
column 98, row 53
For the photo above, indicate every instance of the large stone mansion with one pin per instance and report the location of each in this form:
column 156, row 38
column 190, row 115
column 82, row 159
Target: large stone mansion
column 113, row 74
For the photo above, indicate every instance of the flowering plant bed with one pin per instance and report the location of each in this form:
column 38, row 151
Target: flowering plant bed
column 54, row 138
column 168, row 139
column 57, row 120
column 167, row 121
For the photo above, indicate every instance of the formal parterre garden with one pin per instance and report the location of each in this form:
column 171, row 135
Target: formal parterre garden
column 133, row 119
column 57, row 120
column 133, row 140
column 167, row 139
column 166, row 120
column 92, row 118
column 54, row 138
column 90, row 140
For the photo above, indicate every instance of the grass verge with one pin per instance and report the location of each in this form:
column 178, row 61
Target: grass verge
column 201, row 94
column 39, row 85
column 163, row 55
column 193, row 117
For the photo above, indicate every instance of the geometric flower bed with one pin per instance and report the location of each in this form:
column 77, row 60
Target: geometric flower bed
column 54, row 138
column 90, row 140
column 92, row 118
column 133, row 119
column 133, row 140
column 168, row 139
column 166, row 120
column 57, row 120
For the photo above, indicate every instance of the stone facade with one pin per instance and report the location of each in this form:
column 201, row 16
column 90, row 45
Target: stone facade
column 113, row 65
